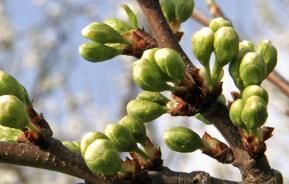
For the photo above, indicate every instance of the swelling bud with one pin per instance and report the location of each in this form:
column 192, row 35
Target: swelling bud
column 102, row 33
column 136, row 128
column 244, row 47
column 102, row 157
column 9, row 134
column 168, row 9
column 88, row 138
column 254, row 113
column 268, row 53
column 202, row 45
column 235, row 113
column 144, row 110
column 121, row 137
column 118, row 25
column 97, row 52
column 149, row 77
column 182, row 139
column 72, row 146
column 255, row 90
column 226, row 45
column 170, row 63
column 219, row 22
column 13, row 112
column 183, row 9
column 10, row 86
column 153, row 97
column 252, row 69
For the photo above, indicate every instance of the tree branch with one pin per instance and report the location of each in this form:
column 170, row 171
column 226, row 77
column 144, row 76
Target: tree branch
column 161, row 28
column 55, row 157
column 279, row 81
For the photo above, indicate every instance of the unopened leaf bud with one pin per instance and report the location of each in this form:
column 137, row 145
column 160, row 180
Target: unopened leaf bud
column 219, row 22
column 10, row 86
column 183, row 9
column 118, row 25
column 171, row 63
column 252, row 69
column 255, row 90
column 88, row 138
column 182, row 139
column 148, row 76
column 234, row 66
column 202, row 45
column 136, row 127
column 102, row 157
column 254, row 113
column 121, row 137
column 96, row 52
column 13, row 112
column 268, row 53
column 102, row 33
column 168, row 9
column 145, row 110
column 235, row 113
column 156, row 97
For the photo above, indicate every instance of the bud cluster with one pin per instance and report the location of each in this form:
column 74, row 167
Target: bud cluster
column 251, row 66
column 220, row 38
column 107, row 38
column 124, row 135
column 250, row 112
column 159, row 69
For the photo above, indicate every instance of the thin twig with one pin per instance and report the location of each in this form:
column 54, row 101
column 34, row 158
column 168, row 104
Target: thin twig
column 279, row 81
column 200, row 17
column 215, row 9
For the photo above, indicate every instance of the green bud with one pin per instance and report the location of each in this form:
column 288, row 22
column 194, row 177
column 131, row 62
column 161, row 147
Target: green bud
column 219, row 22
column 183, row 9
column 168, row 9
column 254, row 112
column 145, row 110
column 10, row 86
column 102, row 157
column 182, row 139
column 72, row 146
column 102, row 33
column 149, row 54
column 244, row 47
column 136, row 127
column 153, row 97
column 118, row 25
column 96, row 52
column 121, row 137
column 202, row 45
column 9, row 134
column 171, row 63
column 252, row 69
column 226, row 45
column 235, row 113
column 268, row 53
column 88, row 138
column 255, row 90
column 13, row 112
column 149, row 77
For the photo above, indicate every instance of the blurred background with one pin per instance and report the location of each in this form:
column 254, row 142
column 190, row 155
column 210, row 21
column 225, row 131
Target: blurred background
column 39, row 42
